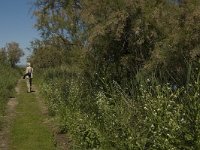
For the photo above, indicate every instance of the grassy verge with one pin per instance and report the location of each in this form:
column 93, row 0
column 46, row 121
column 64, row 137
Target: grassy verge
column 8, row 80
column 28, row 131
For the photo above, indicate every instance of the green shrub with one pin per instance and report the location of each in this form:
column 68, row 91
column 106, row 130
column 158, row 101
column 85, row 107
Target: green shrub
column 108, row 117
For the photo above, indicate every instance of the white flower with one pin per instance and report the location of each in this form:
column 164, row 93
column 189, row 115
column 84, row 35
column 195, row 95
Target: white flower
column 169, row 106
column 182, row 119
column 152, row 126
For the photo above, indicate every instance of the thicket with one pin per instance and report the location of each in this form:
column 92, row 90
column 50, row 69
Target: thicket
column 121, row 74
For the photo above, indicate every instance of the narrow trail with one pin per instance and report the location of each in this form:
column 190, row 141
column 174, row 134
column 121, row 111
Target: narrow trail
column 27, row 126
column 8, row 118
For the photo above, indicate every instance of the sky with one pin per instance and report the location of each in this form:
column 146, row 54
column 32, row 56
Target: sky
column 17, row 24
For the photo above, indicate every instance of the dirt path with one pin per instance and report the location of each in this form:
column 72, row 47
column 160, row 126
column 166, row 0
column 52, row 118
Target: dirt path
column 61, row 141
column 27, row 125
column 8, row 118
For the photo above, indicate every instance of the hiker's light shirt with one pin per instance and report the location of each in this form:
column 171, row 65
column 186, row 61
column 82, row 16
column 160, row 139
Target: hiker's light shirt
column 29, row 70
column 29, row 76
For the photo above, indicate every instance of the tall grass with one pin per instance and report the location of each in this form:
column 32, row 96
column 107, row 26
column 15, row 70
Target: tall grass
column 8, row 79
column 157, row 116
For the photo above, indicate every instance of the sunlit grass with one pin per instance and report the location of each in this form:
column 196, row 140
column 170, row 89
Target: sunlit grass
column 28, row 131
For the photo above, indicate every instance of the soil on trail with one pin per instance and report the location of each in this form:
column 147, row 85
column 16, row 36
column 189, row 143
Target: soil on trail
column 60, row 141
column 7, row 120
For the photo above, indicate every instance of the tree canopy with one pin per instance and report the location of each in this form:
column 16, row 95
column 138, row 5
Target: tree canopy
column 11, row 53
column 122, row 38
column 121, row 74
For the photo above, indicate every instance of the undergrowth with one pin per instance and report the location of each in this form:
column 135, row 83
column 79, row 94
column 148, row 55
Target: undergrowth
column 157, row 116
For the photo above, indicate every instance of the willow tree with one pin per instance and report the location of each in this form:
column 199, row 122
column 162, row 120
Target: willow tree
column 179, row 48
column 117, row 37
column 122, row 38
column 124, row 34
column 14, row 53
column 58, row 20
column 47, row 53
column 3, row 55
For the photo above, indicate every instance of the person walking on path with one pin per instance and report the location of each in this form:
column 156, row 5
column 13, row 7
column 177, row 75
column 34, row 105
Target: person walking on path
column 28, row 76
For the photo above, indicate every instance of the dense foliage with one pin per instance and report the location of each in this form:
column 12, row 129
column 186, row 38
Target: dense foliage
column 121, row 74
column 11, row 54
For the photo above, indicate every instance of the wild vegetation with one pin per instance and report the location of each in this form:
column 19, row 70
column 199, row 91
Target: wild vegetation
column 9, row 73
column 121, row 74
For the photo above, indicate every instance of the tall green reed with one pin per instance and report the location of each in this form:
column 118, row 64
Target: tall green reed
column 152, row 116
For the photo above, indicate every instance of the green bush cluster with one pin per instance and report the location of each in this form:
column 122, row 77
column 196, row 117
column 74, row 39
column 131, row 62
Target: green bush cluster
column 138, row 80
column 8, row 79
column 157, row 116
